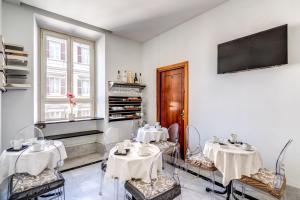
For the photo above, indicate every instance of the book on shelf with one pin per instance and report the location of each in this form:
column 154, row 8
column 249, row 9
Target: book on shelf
column 13, row 47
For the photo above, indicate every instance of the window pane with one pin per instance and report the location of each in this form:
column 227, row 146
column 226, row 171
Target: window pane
column 56, row 111
column 56, row 67
column 81, row 70
column 83, row 110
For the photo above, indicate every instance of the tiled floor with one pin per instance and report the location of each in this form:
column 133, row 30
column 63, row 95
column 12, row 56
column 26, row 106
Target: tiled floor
column 83, row 184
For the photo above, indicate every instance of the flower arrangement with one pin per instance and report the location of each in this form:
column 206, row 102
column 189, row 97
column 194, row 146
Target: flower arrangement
column 72, row 103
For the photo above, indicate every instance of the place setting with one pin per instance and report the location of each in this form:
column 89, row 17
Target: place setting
column 123, row 148
column 152, row 133
column 233, row 143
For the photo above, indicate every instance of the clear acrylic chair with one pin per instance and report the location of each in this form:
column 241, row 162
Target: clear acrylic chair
column 195, row 156
column 30, row 134
column 111, row 138
column 162, row 187
column 174, row 133
column 134, row 129
column 49, row 183
column 166, row 147
column 272, row 182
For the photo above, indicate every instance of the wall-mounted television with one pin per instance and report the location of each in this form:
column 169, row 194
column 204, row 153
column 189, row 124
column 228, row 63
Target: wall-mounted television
column 264, row 49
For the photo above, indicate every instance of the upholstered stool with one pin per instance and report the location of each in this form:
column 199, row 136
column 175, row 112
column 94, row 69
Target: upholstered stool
column 25, row 186
column 162, row 188
column 200, row 161
column 264, row 180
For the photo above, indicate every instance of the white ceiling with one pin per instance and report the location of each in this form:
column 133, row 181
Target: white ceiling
column 139, row 20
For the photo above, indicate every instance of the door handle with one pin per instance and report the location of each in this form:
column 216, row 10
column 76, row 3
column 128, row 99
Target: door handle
column 182, row 114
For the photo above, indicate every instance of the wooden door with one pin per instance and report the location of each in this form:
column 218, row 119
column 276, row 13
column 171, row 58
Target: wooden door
column 172, row 99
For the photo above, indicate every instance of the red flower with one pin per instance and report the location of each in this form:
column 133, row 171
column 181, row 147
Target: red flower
column 71, row 99
column 70, row 95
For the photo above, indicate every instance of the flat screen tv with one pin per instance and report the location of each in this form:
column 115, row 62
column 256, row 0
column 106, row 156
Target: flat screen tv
column 260, row 50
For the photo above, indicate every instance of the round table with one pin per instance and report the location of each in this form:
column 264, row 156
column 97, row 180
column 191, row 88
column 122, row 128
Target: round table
column 152, row 134
column 133, row 165
column 31, row 162
column 232, row 161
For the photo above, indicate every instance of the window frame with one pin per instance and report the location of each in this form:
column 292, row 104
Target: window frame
column 43, row 100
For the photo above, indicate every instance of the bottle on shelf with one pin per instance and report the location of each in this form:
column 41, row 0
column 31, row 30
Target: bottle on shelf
column 135, row 78
column 125, row 76
column 140, row 79
column 129, row 77
column 119, row 78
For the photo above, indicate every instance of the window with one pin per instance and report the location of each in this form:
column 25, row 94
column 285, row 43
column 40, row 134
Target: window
column 67, row 66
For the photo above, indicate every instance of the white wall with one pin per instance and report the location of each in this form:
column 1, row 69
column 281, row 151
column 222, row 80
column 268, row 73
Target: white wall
column 262, row 106
column 18, row 106
column 121, row 54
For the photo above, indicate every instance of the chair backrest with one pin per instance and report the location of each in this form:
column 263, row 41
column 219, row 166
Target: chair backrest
column 173, row 165
column 111, row 137
column 19, row 175
column 134, row 129
column 29, row 132
column 279, row 179
column 153, row 164
column 173, row 132
column 280, row 168
column 193, row 139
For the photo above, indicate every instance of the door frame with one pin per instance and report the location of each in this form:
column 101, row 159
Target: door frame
column 184, row 65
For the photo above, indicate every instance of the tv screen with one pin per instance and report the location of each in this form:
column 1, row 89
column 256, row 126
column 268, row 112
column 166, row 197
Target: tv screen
column 264, row 49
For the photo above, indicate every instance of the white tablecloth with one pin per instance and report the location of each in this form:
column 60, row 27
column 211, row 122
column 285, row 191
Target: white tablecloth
column 152, row 134
column 31, row 162
column 232, row 161
column 133, row 165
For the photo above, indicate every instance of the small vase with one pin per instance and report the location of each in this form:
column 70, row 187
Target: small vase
column 71, row 116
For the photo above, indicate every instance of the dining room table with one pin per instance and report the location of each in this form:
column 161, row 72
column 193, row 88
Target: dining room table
column 134, row 165
column 30, row 161
column 152, row 134
column 233, row 161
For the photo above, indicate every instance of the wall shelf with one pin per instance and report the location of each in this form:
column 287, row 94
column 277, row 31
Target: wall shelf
column 16, row 70
column 125, row 101
column 123, row 119
column 123, row 108
column 42, row 124
column 14, row 77
column 126, row 85
column 71, row 135
column 17, row 86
